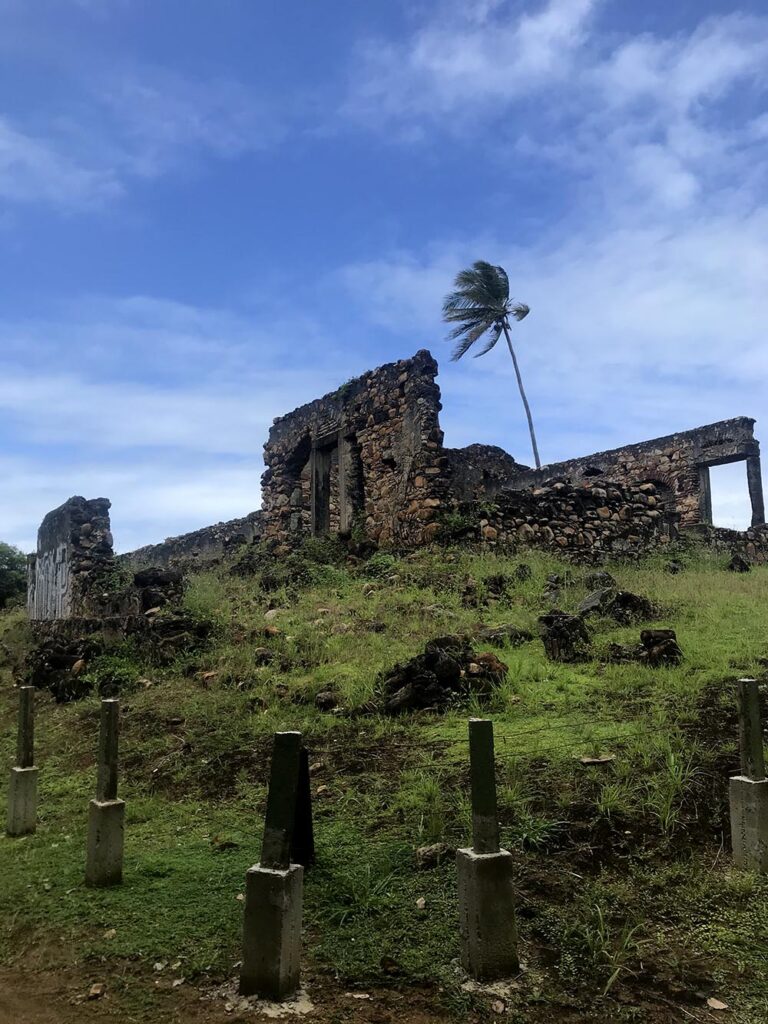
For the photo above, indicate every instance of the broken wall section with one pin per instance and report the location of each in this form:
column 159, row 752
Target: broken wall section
column 369, row 456
column 197, row 548
column 74, row 548
column 587, row 521
column 678, row 464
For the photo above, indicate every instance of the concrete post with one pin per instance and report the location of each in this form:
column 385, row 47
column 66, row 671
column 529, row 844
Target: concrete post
column 106, row 814
column 22, row 795
column 749, row 791
column 274, row 888
column 755, row 485
column 486, row 897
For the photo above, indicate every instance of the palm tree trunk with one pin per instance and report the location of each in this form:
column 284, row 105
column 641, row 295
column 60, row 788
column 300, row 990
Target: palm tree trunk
column 522, row 395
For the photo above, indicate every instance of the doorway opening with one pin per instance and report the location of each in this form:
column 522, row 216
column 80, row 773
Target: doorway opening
column 731, row 506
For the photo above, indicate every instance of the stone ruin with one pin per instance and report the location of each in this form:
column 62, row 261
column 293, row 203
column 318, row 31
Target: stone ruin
column 368, row 461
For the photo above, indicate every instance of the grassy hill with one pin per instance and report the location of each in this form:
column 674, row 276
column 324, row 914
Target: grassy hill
column 628, row 906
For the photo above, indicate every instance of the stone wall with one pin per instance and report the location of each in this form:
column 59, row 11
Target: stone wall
column 74, row 549
column 752, row 544
column 588, row 520
column 380, row 438
column 198, row 547
column 678, row 464
column 482, row 470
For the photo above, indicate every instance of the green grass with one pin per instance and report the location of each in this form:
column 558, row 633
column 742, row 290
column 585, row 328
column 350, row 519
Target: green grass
column 622, row 869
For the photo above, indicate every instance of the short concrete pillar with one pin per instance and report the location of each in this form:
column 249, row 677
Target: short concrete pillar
column 486, row 897
column 272, row 932
column 274, row 888
column 106, row 814
column 748, row 792
column 22, row 794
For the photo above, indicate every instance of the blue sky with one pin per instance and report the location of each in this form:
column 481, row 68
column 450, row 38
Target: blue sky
column 211, row 213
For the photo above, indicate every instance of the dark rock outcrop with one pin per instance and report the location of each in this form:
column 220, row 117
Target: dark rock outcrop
column 446, row 673
column 565, row 637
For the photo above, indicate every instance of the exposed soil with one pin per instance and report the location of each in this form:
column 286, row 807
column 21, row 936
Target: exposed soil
column 61, row 997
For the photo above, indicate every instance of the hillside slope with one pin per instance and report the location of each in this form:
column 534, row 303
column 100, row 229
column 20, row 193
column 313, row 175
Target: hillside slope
column 628, row 906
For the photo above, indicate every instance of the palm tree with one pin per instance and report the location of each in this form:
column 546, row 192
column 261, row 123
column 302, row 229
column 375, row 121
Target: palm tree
column 481, row 304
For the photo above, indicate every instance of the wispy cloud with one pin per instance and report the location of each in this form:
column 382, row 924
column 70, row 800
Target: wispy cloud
column 468, row 58
column 34, row 170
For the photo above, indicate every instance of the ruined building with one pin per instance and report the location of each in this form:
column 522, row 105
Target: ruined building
column 368, row 459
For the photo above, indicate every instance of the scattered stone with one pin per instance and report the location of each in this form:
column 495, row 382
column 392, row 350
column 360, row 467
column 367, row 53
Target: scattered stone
column 673, row 567
column 603, row 759
column 621, row 605
column 432, row 856
column 565, row 637
column 421, row 904
column 739, row 564
column 660, row 647
column 600, row 581
column 326, row 700
column 471, row 596
column 272, row 614
column 623, row 653
column 446, row 673
column 498, row 636
column 523, row 572
column 498, row 584
column 263, row 656
column 97, row 991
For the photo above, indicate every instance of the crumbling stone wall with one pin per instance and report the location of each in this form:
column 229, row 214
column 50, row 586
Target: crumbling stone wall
column 74, row 548
column 678, row 464
column 481, row 471
column 588, row 520
column 198, row 547
column 752, row 544
column 381, row 432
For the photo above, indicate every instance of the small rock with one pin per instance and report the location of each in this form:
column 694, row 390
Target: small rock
column 660, row 647
column 262, row 656
column 565, row 637
column 600, row 580
column 272, row 614
column 326, row 700
column 421, row 904
column 523, row 572
column 97, row 991
column 739, row 564
column 716, row 1004
column 430, row 856
column 673, row 567
column 507, row 634
column 110, row 933
column 498, row 1006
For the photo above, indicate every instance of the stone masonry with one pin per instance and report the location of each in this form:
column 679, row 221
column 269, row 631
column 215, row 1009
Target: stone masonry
column 381, row 433
column 368, row 461
column 677, row 464
column 74, row 544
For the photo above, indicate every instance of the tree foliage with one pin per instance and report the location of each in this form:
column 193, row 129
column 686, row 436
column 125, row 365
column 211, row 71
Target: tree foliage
column 13, row 574
column 480, row 306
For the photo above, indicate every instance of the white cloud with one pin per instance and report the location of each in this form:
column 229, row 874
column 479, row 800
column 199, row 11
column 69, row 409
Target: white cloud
column 468, row 54
column 159, row 406
column 33, row 169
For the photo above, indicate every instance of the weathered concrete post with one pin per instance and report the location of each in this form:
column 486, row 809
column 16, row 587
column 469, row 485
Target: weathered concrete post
column 274, row 888
column 749, row 791
column 22, row 796
column 106, row 814
column 486, row 898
